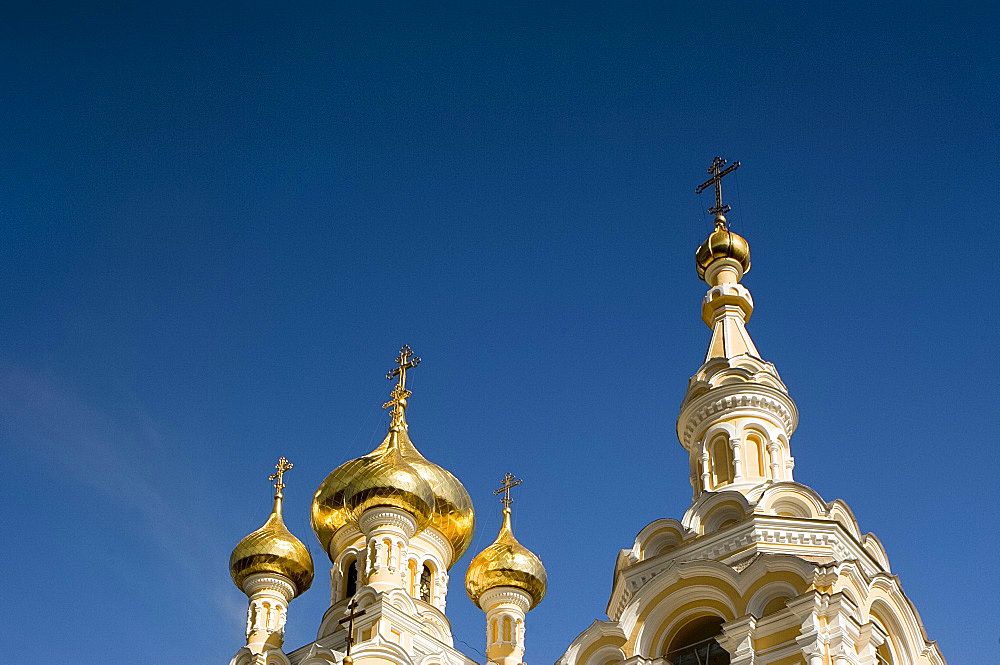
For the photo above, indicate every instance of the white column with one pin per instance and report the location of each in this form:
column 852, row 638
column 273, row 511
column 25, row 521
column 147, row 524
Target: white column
column 737, row 639
column 505, row 608
column 734, row 445
column 706, row 467
column 268, row 596
column 773, row 448
column 380, row 524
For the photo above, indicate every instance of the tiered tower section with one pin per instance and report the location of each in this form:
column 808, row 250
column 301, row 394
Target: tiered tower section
column 761, row 569
column 392, row 523
column 737, row 417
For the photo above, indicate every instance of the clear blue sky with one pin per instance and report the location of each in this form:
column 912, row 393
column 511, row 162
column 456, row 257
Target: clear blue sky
column 220, row 222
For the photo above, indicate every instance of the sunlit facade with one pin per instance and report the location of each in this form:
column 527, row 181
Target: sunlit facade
column 759, row 570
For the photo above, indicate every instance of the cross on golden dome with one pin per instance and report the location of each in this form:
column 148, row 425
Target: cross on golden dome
column 282, row 466
column 509, row 481
column 717, row 173
column 405, row 361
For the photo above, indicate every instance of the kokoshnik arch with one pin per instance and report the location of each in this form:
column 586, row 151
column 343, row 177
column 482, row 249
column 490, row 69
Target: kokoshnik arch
column 759, row 571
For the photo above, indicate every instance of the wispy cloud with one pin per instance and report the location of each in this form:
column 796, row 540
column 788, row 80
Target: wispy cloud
column 120, row 454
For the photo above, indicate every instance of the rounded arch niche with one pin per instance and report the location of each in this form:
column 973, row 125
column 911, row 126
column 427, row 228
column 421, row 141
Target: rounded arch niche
column 696, row 644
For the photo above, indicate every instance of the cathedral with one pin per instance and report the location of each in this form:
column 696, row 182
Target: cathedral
column 759, row 570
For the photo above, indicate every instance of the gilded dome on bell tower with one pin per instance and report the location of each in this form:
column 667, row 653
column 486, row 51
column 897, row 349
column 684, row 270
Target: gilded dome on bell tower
column 395, row 474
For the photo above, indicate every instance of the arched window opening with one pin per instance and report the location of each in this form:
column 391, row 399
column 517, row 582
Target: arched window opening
column 351, row 587
column 722, row 461
column 412, row 566
column 506, row 629
column 425, row 584
column 495, row 632
column 696, row 644
column 755, row 454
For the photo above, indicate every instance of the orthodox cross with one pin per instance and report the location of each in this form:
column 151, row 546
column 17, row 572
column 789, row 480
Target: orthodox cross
column 717, row 173
column 508, row 481
column 405, row 361
column 282, row 466
column 349, row 619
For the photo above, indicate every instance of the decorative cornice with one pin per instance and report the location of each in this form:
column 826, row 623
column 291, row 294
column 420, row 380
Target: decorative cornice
column 373, row 518
column 504, row 594
column 269, row 582
column 721, row 401
column 443, row 545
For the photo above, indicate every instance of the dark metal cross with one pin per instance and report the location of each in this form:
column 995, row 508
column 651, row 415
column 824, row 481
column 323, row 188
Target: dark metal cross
column 717, row 173
column 349, row 619
column 508, row 481
column 282, row 466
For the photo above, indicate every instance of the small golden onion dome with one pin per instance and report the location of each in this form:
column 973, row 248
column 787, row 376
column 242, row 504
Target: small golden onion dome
column 453, row 514
column 506, row 563
column 272, row 549
column 722, row 244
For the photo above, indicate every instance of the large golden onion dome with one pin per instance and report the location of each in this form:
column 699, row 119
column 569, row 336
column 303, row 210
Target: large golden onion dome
column 273, row 549
column 722, row 244
column 337, row 500
column 452, row 512
column 385, row 479
column 506, row 563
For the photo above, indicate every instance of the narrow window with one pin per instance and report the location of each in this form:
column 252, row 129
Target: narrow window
column 425, row 584
column 351, row 587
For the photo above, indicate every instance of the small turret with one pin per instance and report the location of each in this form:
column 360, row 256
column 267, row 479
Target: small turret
column 271, row 566
column 506, row 580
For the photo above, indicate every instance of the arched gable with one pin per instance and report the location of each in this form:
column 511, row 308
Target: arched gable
column 695, row 516
column 658, row 537
column 792, row 499
column 599, row 638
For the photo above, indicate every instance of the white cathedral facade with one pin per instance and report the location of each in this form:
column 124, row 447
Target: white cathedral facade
column 760, row 570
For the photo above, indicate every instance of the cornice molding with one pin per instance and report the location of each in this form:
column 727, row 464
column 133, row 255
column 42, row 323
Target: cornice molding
column 379, row 517
column 269, row 582
column 723, row 401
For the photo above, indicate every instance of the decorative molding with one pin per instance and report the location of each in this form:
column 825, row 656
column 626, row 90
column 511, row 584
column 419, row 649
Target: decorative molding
column 380, row 518
column 269, row 582
column 725, row 399
column 504, row 595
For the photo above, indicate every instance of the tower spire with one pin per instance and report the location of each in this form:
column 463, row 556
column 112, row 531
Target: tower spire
column 736, row 417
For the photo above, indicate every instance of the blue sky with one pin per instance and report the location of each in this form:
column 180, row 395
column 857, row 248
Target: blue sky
column 220, row 222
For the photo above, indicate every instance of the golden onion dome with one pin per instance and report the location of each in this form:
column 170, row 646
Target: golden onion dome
column 386, row 474
column 722, row 244
column 387, row 480
column 453, row 514
column 451, row 510
column 272, row 549
column 506, row 563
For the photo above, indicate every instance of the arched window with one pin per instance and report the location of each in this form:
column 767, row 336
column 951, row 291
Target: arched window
column 722, row 460
column 696, row 644
column 351, row 586
column 506, row 629
column 755, row 456
column 412, row 567
column 425, row 584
